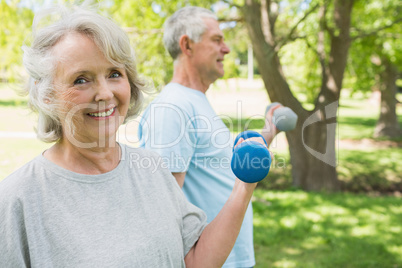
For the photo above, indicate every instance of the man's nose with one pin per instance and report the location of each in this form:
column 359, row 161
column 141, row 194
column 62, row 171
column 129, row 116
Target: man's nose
column 225, row 48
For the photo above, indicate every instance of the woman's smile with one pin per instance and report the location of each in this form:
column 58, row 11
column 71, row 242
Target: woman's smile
column 104, row 114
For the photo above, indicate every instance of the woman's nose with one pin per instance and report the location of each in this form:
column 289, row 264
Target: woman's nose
column 104, row 92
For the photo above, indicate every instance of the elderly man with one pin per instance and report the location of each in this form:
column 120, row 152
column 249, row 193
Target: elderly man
column 182, row 127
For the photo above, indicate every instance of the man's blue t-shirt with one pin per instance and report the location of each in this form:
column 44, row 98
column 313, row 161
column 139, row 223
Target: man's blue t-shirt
column 182, row 127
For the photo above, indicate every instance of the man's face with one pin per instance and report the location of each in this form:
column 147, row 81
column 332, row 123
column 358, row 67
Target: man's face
column 209, row 52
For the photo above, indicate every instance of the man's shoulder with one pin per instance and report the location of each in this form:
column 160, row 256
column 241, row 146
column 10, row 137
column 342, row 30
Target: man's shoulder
column 174, row 99
column 179, row 95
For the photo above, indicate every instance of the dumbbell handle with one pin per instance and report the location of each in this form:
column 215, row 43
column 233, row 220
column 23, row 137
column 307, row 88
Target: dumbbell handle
column 283, row 118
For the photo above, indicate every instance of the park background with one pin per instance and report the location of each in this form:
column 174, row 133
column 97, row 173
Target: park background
column 344, row 210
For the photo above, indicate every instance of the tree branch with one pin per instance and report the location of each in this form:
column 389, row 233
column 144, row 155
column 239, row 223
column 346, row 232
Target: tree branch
column 230, row 3
column 223, row 19
column 273, row 13
column 289, row 36
column 330, row 30
column 375, row 31
column 267, row 28
column 311, row 47
column 323, row 21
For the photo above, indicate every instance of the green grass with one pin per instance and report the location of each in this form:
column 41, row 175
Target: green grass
column 357, row 118
column 371, row 169
column 299, row 229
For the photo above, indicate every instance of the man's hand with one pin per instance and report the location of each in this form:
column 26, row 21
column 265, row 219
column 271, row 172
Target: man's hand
column 269, row 130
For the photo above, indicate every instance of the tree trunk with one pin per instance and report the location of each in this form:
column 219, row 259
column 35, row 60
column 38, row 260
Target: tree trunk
column 312, row 151
column 312, row 143
column 387, row 124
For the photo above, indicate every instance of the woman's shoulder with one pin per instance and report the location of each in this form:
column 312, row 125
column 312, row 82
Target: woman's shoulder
column 146, row 162
column 141, row 157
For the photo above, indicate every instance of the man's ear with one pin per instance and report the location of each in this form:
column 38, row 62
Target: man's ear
column 185, row 45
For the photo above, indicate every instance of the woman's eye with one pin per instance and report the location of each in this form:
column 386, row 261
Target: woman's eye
column 79, row 81
column 115, row 75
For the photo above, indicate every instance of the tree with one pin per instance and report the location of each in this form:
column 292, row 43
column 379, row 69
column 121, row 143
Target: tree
column 377, row 53
column 312, row 143
column 387, row 124
column 327, row 29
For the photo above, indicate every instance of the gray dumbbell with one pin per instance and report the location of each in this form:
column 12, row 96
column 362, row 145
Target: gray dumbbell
column 284, row 118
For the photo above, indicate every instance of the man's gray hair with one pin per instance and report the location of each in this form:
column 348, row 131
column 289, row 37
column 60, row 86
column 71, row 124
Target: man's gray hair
column 40, row 62
column 186, row 21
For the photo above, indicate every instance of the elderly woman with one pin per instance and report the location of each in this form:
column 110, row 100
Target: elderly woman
column 87, row 201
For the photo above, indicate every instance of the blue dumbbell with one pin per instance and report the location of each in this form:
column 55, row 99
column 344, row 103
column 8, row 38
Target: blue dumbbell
column 251, row 160
column 284, row 118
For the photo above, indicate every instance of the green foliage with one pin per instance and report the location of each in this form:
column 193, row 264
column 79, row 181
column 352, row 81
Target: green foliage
column 299, row 229
column 374, row 42
column 14, row 25
column 236, row 38
column 299, row 57
column 302, row 69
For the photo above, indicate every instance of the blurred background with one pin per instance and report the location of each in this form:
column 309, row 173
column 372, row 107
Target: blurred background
column 333, row 195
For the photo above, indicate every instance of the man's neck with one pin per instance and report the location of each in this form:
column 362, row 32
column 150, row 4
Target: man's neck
column 187, row 76
column 197, row 85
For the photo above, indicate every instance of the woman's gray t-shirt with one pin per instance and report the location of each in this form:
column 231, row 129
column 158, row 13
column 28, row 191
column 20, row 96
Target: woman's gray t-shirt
column 133, row 216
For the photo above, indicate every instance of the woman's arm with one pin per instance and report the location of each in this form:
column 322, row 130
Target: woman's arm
column 219, row 236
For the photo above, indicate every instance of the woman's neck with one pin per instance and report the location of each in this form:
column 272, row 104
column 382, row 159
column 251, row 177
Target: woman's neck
column 91, row 161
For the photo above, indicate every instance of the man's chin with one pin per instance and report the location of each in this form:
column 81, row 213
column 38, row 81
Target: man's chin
column 221, row 73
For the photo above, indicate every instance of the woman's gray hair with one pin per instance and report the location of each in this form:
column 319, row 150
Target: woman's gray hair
column 40, row 62
column 186, row 21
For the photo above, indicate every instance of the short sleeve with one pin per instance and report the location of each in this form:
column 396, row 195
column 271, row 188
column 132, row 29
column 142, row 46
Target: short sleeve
column 168, row 130
column 191, row 219
column 194, row 220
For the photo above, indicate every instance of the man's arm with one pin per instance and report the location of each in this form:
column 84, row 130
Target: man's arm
column 179, row 177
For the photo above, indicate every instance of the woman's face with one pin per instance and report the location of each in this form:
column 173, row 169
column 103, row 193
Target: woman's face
column 94, row 93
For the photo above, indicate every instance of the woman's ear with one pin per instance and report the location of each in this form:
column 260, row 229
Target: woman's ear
column 185, row 45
